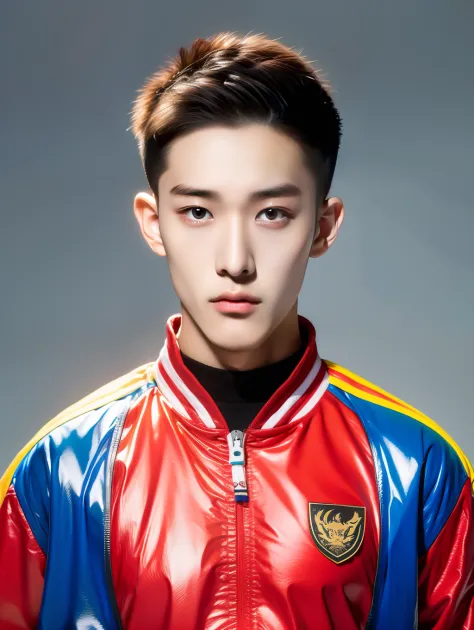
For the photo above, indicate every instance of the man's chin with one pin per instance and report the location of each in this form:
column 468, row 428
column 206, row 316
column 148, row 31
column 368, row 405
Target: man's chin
column 236, row 333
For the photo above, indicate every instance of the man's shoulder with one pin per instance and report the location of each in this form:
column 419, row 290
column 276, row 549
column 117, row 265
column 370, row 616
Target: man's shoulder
column 101, row 406
column 394, row 422
column 421, row 470
column 112, row 391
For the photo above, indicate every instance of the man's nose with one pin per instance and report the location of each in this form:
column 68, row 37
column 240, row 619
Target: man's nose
column 234, row 251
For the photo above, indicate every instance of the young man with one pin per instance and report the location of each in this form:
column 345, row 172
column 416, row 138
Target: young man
column 240, row 481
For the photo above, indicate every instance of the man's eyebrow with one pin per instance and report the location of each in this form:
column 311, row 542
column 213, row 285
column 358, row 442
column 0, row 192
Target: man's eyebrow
column 283, row 190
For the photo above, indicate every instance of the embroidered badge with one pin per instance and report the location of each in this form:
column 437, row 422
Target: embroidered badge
column 337, row 530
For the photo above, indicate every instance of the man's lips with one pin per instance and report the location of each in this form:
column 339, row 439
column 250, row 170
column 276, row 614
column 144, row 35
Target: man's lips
column 237, row 298
column 238, row 302
column 235, row 306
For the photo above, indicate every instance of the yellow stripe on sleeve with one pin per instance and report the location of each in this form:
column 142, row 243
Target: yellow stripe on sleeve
column 106, row 394
column 396, row 404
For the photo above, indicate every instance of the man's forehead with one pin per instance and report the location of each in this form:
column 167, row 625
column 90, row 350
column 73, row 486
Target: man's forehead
column 252, row 163
column 246, row 148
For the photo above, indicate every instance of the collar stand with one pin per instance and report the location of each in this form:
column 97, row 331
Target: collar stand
column 295, row 397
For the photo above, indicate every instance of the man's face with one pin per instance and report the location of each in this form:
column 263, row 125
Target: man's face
column 237, row 214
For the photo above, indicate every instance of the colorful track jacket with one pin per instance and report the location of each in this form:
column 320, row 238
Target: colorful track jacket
column 339, row 508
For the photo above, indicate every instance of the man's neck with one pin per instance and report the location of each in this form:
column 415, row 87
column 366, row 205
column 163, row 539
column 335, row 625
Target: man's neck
column 284, row 341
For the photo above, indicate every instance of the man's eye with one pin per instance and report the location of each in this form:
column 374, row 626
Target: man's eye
column 196, row 213
column 273, row 214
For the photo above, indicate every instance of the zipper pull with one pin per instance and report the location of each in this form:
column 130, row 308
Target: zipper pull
column 235, row 440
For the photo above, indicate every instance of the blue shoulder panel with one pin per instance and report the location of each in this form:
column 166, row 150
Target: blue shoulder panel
column 419, row 479
column 69, row 466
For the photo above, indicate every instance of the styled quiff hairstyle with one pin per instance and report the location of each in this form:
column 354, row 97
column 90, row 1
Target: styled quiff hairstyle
column 233, row 80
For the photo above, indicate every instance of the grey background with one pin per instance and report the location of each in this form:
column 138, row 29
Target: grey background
column 83, row 299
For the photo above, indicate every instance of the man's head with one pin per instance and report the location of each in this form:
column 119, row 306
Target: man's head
column 239, row 140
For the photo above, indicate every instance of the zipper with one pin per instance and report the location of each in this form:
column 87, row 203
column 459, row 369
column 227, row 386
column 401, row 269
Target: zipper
column 236, row 441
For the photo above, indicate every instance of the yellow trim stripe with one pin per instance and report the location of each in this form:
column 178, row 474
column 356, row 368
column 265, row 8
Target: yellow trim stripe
column 106, row 394
column 362, row 381
column 396, row 405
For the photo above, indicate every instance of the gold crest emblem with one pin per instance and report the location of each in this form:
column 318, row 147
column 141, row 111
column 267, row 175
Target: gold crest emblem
column 337, row 530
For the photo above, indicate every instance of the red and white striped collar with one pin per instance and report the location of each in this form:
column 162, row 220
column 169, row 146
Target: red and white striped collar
column 296, row 397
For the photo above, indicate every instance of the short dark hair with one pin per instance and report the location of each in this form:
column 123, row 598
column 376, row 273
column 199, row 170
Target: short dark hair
column 232, row 80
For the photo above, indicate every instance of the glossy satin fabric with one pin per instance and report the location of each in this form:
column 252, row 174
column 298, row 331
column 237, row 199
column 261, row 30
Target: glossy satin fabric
column 145, row 460
column 22, row 567
column 175, row 544
column 445, row 601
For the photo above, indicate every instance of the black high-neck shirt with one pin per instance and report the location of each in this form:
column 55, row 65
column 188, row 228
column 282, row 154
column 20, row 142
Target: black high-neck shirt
column 240, row 394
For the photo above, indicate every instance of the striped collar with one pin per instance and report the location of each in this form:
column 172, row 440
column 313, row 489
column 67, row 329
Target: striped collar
column 297, row 396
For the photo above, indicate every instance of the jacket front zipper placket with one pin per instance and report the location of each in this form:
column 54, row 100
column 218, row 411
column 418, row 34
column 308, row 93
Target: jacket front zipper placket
column 236, row 440
column 241, row 571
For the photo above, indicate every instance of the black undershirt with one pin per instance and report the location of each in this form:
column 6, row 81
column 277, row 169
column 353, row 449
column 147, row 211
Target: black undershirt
column 240, row 394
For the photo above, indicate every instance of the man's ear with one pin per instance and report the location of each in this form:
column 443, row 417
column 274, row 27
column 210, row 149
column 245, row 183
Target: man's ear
column 146, row 213
column 331, row 216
